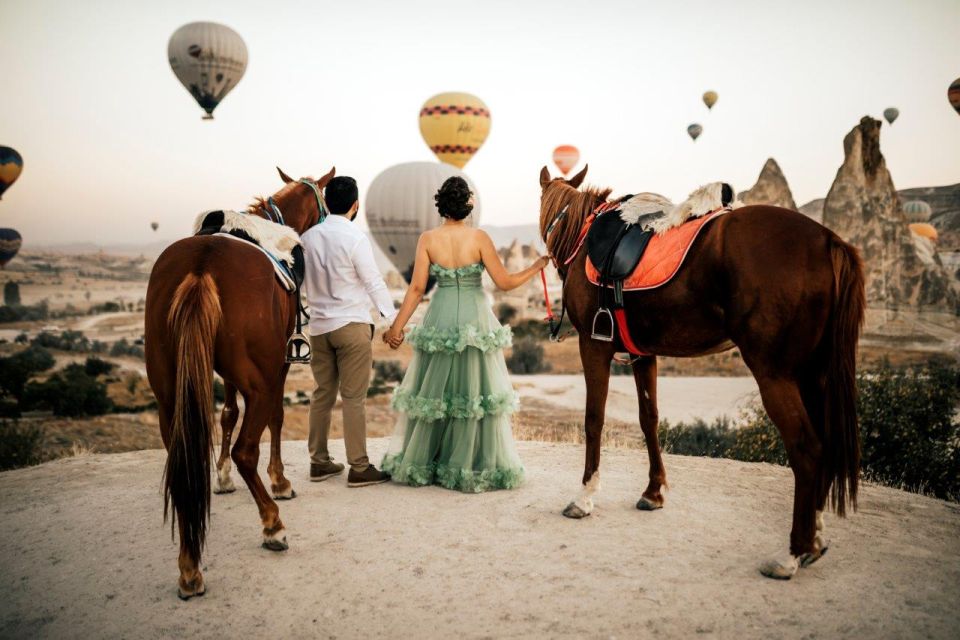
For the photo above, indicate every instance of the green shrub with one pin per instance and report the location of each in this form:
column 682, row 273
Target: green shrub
column 909, row 431
column 96, row 367
column 527, row 357
column 17, row 369
column 11, row 294
column 506, row 313
column 388, row 370
column 20, row 313
column 71, row 392
column 20, row 445
column 66, row 341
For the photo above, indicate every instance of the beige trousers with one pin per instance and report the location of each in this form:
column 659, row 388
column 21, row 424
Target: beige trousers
column 341, row 360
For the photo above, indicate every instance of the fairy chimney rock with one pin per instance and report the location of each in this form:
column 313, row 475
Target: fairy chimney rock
column 771, row 188
column 864, row 209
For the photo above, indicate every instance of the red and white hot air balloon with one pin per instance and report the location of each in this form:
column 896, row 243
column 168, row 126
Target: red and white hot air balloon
column 566, row 157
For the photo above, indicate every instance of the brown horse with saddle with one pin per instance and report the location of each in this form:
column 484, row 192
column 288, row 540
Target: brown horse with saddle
column 215, row 304
column 784, row 290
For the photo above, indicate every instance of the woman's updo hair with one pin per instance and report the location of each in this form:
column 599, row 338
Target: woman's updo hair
column 453, row 197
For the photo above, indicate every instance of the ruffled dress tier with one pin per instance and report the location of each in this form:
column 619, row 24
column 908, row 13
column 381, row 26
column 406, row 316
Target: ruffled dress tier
column 456, row 399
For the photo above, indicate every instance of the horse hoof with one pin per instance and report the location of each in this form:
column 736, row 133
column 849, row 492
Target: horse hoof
column 808, row 559
column 221, row 489
column 276, row 542
column 780, row 569
column 186, row 596
column 191, row 590
column 285, row 496
column 646, row 504
column 575, row 512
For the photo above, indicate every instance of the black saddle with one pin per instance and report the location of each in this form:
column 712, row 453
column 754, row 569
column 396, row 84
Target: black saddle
column 615, row 249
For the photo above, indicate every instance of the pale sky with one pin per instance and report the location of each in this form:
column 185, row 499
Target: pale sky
column 111, row 140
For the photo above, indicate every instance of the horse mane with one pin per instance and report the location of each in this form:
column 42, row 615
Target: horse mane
column 260, row 204
column 580, row 204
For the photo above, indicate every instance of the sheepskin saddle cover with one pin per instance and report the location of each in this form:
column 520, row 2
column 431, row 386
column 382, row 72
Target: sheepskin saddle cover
column 276, row 239
column 642, row 240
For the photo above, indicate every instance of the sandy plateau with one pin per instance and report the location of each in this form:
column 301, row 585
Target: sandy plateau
column 86, row 554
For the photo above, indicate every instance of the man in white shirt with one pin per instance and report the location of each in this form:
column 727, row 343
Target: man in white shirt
column 341, row 282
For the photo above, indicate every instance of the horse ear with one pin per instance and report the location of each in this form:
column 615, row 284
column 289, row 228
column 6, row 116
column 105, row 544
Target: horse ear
column 322, row 182
column 283, row 176
column 544, row 177
column 577, row 180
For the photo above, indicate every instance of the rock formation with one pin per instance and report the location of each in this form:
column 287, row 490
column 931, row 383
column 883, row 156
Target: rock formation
column 863, row 207
column 771, row 188
column 813, row 210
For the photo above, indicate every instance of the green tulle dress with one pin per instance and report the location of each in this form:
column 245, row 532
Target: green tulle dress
column 456, row 398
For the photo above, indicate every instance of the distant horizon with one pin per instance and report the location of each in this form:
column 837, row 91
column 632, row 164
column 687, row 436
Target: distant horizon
column 111, row 141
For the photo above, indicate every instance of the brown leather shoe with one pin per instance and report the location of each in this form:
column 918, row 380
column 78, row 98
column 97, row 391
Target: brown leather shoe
column 370, row 475
column 320, row 471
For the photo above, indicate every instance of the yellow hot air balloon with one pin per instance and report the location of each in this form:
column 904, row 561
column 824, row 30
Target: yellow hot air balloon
column 710, row 99
column 454, row 126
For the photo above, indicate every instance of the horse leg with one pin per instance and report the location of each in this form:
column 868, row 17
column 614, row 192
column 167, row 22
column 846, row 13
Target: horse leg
column 228, row 420
column 595, row 357
column 645, row 377
column 246, row 454
column 784, row 404
column 279, row 485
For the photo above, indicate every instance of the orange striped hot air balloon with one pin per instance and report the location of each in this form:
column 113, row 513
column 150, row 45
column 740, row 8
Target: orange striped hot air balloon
column 566, row 157
column 454, row 126
column 953, row 94
column 925, row 230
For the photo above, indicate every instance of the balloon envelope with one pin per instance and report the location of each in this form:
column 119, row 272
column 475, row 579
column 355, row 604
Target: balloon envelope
column 566, row 157
column 454, row 126
column 917, row 211
column 710, row 99
column 925, row 230
column 10, row 242
column 400, row 206
column 891, row 114
column 11, row 164
column 209, row 59
column 154, row 225
column 694, row 131
column 953, row 94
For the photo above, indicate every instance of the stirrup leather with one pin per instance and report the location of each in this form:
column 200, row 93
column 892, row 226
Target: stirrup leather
column 597, row 333
column 298, row 349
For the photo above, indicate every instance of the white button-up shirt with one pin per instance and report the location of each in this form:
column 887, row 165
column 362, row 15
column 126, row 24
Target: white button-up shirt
column 342, row 277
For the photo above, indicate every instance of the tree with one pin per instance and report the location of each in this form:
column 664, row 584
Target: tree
column 11, row 294
column 17, row 369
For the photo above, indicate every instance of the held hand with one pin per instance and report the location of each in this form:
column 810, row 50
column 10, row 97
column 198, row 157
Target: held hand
column 393, row 337
column 542, row 263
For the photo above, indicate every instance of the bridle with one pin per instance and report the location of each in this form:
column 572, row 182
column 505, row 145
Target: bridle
column 554, row 322
column 273, row 213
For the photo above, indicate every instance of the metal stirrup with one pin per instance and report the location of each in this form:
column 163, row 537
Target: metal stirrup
column 603, row 337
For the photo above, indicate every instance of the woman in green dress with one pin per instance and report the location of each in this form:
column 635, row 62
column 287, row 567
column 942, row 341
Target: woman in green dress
column 456, row 398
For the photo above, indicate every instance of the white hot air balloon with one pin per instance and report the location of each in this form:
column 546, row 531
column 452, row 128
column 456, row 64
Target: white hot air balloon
column 400, row 206
column 209, row 59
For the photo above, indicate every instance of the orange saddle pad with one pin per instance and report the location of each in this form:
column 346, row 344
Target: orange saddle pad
column 664, row 256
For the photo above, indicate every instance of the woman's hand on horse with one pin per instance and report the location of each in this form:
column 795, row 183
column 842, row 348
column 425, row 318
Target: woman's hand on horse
column 542, row 262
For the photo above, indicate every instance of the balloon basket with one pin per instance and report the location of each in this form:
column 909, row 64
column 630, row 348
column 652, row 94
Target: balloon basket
column 207, row 116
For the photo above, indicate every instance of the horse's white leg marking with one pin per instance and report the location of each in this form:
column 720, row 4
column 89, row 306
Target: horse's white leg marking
column 585, row 500
column 224, row 482
column 277, row 540
column 781, row 567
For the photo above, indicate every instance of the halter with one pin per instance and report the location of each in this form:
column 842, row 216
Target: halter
column 274, row 214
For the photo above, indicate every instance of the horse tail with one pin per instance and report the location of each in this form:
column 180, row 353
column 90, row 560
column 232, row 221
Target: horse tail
column 841, row 426
column 193, row 320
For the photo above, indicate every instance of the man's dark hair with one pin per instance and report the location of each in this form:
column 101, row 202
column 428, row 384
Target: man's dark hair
column 452, row 198
column 340, row 194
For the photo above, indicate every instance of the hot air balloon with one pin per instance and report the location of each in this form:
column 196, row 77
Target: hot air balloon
column 209, row 59
column 925, row 230
column 694, row 131
column 891, row 114
column 566, row 157
column 710, row 99
column 953, row 94
column 10, row 242
column 154, row 225
column 454, row 126
column 917, row 211
column 400, row 206
column 11, row 164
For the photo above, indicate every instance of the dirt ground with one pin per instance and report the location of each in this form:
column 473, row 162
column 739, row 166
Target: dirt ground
column 86, row 554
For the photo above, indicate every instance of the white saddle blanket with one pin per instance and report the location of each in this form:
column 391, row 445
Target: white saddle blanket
column 276, row 239
column 701, row 202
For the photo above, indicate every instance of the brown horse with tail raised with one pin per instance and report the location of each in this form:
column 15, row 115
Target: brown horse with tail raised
column 786, row 291
column 215, row 305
